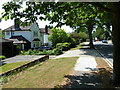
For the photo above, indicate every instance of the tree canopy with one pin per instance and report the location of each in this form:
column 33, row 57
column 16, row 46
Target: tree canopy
column 58, row 36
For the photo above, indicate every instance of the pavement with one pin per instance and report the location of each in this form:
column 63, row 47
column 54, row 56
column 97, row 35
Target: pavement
column 20, row 58
column 82, row 76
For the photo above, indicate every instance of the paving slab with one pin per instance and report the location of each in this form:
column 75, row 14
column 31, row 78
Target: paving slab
column 85, row 63
column 20, row 58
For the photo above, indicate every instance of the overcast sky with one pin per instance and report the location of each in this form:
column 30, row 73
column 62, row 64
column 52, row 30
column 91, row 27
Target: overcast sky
column 4, row 24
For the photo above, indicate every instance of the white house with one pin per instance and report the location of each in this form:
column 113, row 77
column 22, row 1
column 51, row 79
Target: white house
column 27, row 37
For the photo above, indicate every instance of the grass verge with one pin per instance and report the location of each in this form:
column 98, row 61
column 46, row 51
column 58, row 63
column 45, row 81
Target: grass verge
column 10, row 66
column 47, row 75
column 105, row 72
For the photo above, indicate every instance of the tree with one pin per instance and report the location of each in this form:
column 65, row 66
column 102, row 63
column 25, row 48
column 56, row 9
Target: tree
column 83, row 36
column 76, row 36
column 98, row 33
column 67, row 13
column 58, row 36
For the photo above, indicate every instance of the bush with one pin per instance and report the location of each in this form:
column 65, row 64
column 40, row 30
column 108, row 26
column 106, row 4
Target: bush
column 72, row 42
column 59, row 45
column 63, row 46
column 66, row 46
column 24, row 53
column 37, row 52
column 57, row 51
column 2, row 57
column 50, row 52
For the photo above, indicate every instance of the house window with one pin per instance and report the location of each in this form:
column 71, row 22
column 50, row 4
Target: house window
column 7, row 33
column 35, row 34
column 12, row 33
column 36, row 44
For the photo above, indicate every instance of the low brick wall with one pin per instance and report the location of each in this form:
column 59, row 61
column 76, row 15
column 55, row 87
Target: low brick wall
column 25, row 66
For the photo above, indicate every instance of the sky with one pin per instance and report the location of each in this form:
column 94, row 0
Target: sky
column 5, row 24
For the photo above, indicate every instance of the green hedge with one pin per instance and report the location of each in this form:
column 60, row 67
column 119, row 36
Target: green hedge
column 55, row 51
column 64, row 46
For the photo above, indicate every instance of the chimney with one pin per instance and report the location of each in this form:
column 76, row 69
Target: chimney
column 17, row 23
column 46, row 29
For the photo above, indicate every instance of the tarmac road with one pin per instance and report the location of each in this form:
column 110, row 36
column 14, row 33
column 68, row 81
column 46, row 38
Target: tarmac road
column 106, row 50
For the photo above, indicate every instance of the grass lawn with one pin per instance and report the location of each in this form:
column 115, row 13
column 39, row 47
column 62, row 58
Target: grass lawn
column 46, row 75
column 10, row 66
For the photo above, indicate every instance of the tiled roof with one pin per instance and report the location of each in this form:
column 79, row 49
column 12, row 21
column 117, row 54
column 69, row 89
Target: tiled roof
column 21, row 28
column 5, row 40
column 19, row 39
column 42, row 30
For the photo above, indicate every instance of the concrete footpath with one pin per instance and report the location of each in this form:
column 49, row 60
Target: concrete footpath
column 82, row 76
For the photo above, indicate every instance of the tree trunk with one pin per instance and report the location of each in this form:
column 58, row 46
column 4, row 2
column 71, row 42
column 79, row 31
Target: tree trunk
column 90, row 28
column 116, row 42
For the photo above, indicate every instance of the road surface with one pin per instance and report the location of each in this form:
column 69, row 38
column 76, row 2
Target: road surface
column 106, row 49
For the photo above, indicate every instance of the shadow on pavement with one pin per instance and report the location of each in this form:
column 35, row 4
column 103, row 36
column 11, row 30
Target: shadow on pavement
column 85, row 80
column 91, row 52
column 106, row 50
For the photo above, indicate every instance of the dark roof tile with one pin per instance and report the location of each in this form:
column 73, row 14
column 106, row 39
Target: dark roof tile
column 21, row 28
column 19, row 38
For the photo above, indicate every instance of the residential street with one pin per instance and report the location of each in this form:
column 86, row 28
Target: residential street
column 105, row 49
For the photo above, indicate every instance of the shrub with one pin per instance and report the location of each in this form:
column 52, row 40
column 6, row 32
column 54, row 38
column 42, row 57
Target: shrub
column 24, row 53
column 72, row 42
column 2, row 57
column 66, row 46
column 50, row 52
column 30, row 52
column 63, row 46
column 57, row 51
column 59, row 45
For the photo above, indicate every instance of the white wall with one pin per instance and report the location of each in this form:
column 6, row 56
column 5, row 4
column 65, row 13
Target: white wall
column 35, row 28
column 45, row 38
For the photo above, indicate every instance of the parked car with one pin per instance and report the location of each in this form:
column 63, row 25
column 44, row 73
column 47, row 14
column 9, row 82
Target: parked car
column 44, row 48
column 104, row 41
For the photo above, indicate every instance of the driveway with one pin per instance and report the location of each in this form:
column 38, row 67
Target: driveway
column 20, row 58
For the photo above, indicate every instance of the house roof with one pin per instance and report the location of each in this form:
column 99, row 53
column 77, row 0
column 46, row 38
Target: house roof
column 19, row 39
column 26, row 28
column 42, row 30
column 5, row 40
